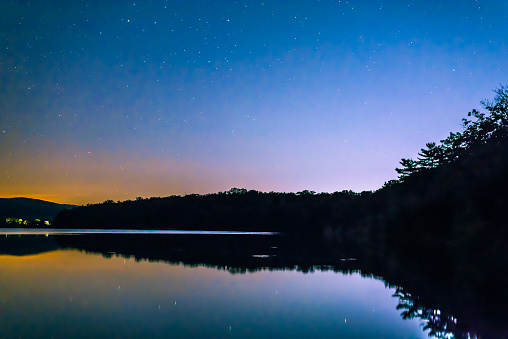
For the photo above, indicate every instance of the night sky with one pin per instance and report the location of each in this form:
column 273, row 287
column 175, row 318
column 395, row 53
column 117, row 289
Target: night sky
column 115, row 99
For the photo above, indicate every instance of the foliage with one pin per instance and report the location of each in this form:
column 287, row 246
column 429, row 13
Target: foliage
column 485, row 128
column 235, row 209
column 18, row 222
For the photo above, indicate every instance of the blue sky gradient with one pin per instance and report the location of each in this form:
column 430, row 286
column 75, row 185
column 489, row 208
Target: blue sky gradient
column 153, row 98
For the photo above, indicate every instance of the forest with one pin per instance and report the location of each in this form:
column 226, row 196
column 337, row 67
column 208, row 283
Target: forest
column 455, row 190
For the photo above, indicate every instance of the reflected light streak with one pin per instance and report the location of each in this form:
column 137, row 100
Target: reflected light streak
column 66, row 231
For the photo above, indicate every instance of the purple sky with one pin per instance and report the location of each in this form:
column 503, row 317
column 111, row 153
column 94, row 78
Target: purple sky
column 114, row 101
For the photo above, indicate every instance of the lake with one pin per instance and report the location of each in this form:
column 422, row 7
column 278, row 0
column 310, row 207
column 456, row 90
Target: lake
column 188, row 286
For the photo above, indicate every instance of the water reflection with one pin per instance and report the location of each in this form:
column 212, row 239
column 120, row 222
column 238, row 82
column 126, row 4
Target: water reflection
column 137, row 265
column 70, row 293
column 439, row 324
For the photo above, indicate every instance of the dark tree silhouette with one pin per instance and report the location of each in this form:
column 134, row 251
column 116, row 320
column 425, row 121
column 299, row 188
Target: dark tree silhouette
column 485, row 128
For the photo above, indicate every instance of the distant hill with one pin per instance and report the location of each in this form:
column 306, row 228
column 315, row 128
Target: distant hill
column 25, row 208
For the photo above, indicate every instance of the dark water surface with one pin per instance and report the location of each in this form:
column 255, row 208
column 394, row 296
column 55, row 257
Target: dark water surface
column 227, row 286
column 75, row 231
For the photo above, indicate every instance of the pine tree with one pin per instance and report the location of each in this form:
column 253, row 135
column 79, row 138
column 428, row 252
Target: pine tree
column 483, row 129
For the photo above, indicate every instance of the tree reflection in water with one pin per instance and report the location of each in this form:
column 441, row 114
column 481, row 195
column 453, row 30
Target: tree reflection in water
column 465, row 303
column 439, row 324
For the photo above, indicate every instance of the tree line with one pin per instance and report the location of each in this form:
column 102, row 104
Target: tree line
column 237, row 209
column 453, row 193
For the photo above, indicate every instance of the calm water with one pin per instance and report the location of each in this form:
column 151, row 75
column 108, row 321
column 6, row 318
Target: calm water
column 65, row 292
column 61, row 231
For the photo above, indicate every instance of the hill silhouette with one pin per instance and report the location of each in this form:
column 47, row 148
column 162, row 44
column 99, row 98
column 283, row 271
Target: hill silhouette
column 26, row 208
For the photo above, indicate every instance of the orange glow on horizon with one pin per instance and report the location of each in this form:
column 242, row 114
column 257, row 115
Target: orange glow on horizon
column 79, row 181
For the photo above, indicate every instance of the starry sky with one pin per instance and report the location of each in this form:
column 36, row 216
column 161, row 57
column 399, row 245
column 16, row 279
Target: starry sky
column 119, row 99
